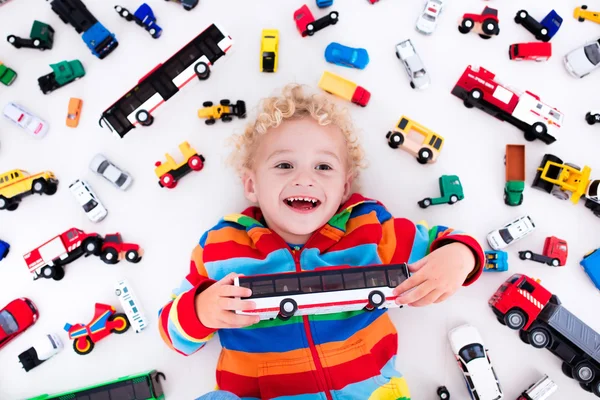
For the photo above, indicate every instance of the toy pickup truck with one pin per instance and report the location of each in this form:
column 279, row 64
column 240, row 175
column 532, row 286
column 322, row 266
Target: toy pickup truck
column 62, row 74
column 451, row 191
column 41, row 37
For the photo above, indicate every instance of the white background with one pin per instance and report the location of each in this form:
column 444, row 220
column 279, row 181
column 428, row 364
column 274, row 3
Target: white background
column 168, row 223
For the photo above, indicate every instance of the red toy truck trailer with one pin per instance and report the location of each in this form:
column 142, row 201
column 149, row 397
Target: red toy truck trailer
column 478, row 87
column 555, row 253
column 521, row 303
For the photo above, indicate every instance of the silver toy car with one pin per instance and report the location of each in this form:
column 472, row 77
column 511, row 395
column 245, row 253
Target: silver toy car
column 115, row 175
column 419, row 78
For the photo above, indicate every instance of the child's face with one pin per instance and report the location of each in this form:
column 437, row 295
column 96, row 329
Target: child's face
column 299, row 177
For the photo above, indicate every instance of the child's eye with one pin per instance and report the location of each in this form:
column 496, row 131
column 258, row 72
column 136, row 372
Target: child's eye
column 284, row 165
column 323, row 167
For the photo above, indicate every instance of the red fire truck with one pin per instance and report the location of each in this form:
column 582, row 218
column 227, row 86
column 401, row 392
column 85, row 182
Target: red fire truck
column 521, row 303
column 478, row 87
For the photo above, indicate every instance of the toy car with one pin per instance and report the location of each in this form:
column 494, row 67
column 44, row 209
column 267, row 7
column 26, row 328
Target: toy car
column 306, row 23
column 581, row 13
column 131, row 305
column 74, row 112
column 41, row 37
column 428, row 20
column 543, row 389
column 225, row 111
column 33, row 125
column 62, row 74
column 43, row 349
column 511, row 232
column 15, row 318
column 269, row 50
column 544, row 30
column 170, row 172
column 424, row 144
column 113, row 250
column 188, row 5
column 591, row 265
column 592, row 117
column 474, row 362
column 16, row 184
column 419, row 78
column 451, row 192
column 536, row 51
column 345, row 56
column 4, row 249
column 88, row 200
column 324, row 3
column 106, row 321
column 7, row 75
column 485, row 24
column 555, row 253
column 583, row 60
column 496, row 260
column 109, row 171
column 347, row 90
column 443, row 393
column 144, row 17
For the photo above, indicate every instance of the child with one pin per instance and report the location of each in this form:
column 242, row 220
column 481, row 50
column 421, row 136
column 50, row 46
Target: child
column 298, row 162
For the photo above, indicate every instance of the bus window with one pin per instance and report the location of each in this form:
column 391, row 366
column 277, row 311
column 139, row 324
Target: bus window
column 395, row 276
column 173, row 68
column 432, row 140
column 332, row 282
column 189, row 55
column 286, row 285
column 403, row 123
column 245, row 284
column 123, row 392
column 438, row 143
column 262, row 287
column 311, row 284
column 354, row 280
column 376, row 278
column 142, row 389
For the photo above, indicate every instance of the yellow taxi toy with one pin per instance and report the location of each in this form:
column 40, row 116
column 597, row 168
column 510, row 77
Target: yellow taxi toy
column 225, row 111
column 582, row 14
column 16, row 184
column 269, row 50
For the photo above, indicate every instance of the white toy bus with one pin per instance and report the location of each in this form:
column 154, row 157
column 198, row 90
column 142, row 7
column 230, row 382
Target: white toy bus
column 323, row 291
column 131, row 305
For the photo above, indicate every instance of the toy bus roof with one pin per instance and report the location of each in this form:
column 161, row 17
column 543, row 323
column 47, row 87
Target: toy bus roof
column 324, row 268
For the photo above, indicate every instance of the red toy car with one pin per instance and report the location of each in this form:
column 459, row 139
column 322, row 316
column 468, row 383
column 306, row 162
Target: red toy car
column 306, row 23
column 485, row 24
column 114, row 250
column 15, row 318
column 535, row 51
column 105, row 322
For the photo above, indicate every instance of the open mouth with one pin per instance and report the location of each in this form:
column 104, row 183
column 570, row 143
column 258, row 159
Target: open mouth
column 302, row 203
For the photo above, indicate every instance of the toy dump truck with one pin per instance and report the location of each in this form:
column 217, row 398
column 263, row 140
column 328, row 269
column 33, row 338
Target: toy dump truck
column 515, row 174
column 451, row 191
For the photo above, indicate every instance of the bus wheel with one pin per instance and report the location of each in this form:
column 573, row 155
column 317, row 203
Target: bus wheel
column 424, row 156
column 584, row 372
column 288, row 308
column 515, row 319
column 376, row 298
column 395, row 140
column 144, row 118
column 47, row 272
column 202, row 71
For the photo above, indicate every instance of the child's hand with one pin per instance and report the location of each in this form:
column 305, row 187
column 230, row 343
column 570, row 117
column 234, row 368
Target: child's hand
column 436, row 276
column 216, row 305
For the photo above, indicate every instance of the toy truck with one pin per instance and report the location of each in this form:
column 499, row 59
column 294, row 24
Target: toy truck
column 543, row 30
column 17, row 184
column 42, row 350
column 424, row 144
column 555, row 253
column 41, row 37
column 144, row 17
column 7, row 75
column 478, row 87
column 496, row 260
column 541, row 390
column 451, row 191
column 4, row 249
column 225, row 111
column 347, row 90
column 97, row 38
column 485, row 24
column 514, row 161
column 62, row 74
column 521, row 303
column 170, row 172
column 591, row 266
column 536, row 51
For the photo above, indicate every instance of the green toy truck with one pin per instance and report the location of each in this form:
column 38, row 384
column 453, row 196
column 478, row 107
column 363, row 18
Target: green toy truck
column 515, row 174
column 451, row 190
column 62, row 73
column 41, row 37
column 7, row 75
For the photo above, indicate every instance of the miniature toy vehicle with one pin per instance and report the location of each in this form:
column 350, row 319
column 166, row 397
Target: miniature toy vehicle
column 496, row 260
column 345, row 56
column 88, row 200
column 323, row 290
column 563, row 181
column 41, row 37
column 7, row 75
column 555, row 253
column 478, row 87
column 225, row 111
column 591, row 265
column 373, row 1
column 144, row 17
column 523, row 304
column 45, row 348
column 592, row 197
column 74, row 112
column 583, row 60
column 324, row 3
column 306, row 23
column 188, row 5
column 419, row 78
column 16, row 184
column 428, row 20
column 15, row 318
column 4, row 249
column 443, row 393
column 62, row 73
column 269, row 50
column 581, row 13
column 592, row 117
column 451, row 191
column 485, row 24
column 541, row 390
column 113, row 250
column 106, row 321
column 33, row 125
column 170, row 172
column 474, row 361
column 416, row 139
column 536, row 51
column 514, row 161
column 109, row 171
column 347, row 90
column 511, row 232
column 544, row 30
column 131, row 305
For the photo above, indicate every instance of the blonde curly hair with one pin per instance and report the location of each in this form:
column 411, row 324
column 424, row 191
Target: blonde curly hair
column 292, row 103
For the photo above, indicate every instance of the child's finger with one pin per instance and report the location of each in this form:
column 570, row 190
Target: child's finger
column 418, row 265
column 427, row 300
column 416, row 294
column 410, row 283
column 443, row 297
column 234, row 291
column 233, row 320
column 227, row 279
column 229, row 304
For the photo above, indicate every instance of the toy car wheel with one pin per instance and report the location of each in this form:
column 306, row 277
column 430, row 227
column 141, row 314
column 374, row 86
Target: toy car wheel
column 515, row 319
column 195, row 163
column 168, row 181
column 453, row 199
column 333, row 17
column 226, row 118
column 586, row 386
column 489, row 26
column 443, row 393
column 525, row 255
column 59, row 273
column 124, row 13
column 376, row 298
column 225, row 102
column 47, row 272
column 91, row 246
column 412, row 85
column 210, row 121
column 555, row 262
column 425, row 203
column 467, row 24
column 144, row 118
column 133, row 256
column 83, row 346
column 110, row 256
column 475, row 95
column 560, row 194
column 118, row 9
column 39, row 186
column 592, row 119
column 202, row 70
column 539, row 338
column 584, row 7
column 521, row 15
column 310, row 29
column 51, row 188
column 207, row 104
column 287, row 308
column 396, row 140
column 12, row 39
column 4, row 202
column 584, row 372
column 37, row 43
column 12, row 206
column 580, row 19
column 424, row 156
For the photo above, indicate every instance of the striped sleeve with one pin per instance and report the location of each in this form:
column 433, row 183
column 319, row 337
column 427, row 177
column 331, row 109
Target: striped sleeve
column 179, row 324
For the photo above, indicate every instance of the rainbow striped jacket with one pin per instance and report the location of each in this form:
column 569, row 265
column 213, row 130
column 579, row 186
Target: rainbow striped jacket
column 349, row 355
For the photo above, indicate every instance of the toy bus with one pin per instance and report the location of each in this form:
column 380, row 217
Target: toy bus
column 424, row 144
column 325, row 290
column 131, row 305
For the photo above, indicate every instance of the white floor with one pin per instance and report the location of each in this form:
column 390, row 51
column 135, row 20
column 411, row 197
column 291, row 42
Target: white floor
column 169, row 223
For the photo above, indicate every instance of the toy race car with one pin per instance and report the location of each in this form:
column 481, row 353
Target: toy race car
column 170, row 172
column 41, row 37
column 544, row 30
column 592, row 117
column 415, row 69
column 62, row 73
column 269, row 50
column 306, row 23
column 443, row 393
column 225, row 111
column 16, row 317
column 496, row 260
column 43, row 349
column 74, row 112
column 109, row 171
column 4, row 249
column 144, row 17
column 7, row 75
column 345, row 56
column 581, row 13
column 105, row 321
column 485, row 24
column 16, row 184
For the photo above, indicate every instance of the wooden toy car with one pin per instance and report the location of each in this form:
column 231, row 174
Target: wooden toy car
column 306, row 23
column 106, row 320
column 563, row 181
column 543, row 389
column 582, row 13
column 109, row 171
column 416, row 139
column 41, row 37
column 170, row 172
column 511, row 232
column 536, row 51
column 88, row 200
column 74, row 112
column 131, row 305
column 514, row 161
column 4, row 249
column 42, row 350
column 347, row 90
column 7, row 75
column 451, row 191
column 345, row 56
column 144, row 17
column 496, row 260
column 30, row 123
column 592, row 117
column 225, row 111
column 113, row 250
column 15, row 318
column 188, row 5
column 16, row 184
column 555, row 253
column 591, row 265
column 544, row 30
column 415, row 69
column 269, row 50
column 485, row 24
column 62, row 74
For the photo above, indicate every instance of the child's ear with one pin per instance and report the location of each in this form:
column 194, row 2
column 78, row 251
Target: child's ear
column 348, row 187
column 249, row 181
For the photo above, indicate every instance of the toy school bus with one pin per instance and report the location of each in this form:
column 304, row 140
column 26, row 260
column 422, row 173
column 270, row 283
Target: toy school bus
column 325, row 290
column 416, row 139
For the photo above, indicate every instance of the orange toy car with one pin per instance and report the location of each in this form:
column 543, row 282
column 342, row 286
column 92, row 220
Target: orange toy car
column 74, row 112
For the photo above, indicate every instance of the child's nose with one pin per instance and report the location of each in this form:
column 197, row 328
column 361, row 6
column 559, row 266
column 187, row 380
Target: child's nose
column 303, row 179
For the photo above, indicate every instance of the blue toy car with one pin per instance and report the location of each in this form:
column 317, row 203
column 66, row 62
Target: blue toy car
column 591, row 266
column 346, row 56
column 496, row 260
column 324, row 3
column 144, row 17
column 4, row 248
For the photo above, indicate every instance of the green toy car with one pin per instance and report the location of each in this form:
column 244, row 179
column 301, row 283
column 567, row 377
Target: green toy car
column 62, row 73
column 7, row 75
column 451, row 190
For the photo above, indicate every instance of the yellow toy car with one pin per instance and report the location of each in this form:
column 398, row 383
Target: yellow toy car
column 582, row 14
column 170, row 172
column 421, row 142
column 269, row 50
column 16, row 184
column 225, row 111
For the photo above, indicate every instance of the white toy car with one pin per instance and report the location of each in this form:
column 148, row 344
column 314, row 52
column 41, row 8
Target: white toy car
column 131, row 305
column 511, row 232
column 88, row 200
column 474, row 362
column 428, row 20
column 583, row 60
column 35, row 126
column 419, row 78
column 42, row 350
column 115, row 175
